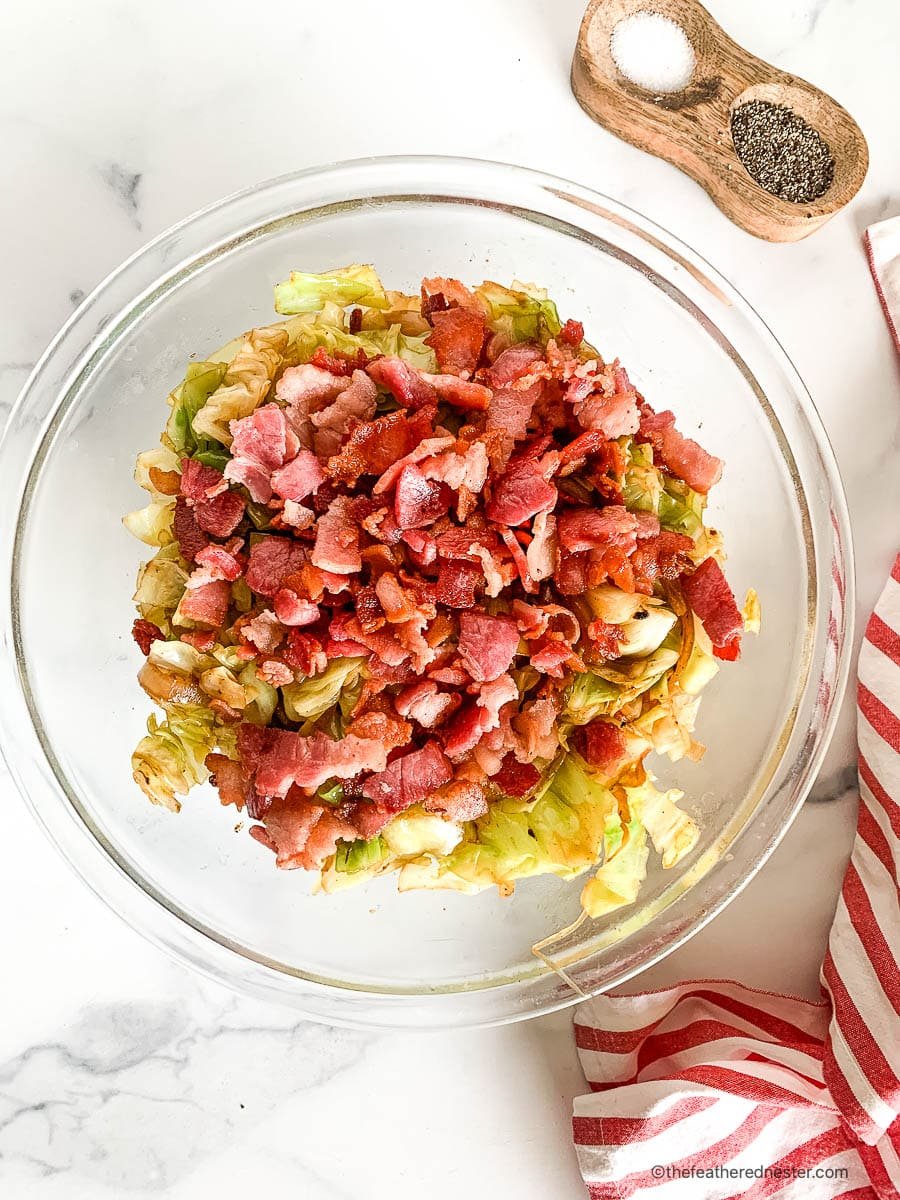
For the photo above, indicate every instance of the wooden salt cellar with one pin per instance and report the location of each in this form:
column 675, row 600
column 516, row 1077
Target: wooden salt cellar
column 692, row 128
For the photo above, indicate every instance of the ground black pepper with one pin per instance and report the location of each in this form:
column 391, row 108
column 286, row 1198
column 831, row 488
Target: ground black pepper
column 781, row 151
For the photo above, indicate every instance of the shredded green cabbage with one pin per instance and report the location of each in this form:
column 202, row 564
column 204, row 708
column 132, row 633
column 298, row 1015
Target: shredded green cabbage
column 304, row 292
column 309, row 699
column 169, row 760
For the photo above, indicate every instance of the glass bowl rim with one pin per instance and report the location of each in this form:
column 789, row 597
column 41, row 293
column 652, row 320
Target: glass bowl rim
column 149, row 914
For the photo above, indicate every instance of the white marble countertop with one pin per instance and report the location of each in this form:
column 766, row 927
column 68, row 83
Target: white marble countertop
column 122, row 1074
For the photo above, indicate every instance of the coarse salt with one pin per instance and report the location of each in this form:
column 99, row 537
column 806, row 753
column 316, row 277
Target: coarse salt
column 653, row 52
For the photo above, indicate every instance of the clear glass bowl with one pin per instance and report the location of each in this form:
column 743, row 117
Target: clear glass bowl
column 72, row 709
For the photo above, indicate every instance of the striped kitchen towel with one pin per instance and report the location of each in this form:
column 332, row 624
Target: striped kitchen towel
column 882, row 243
column 712, row 1090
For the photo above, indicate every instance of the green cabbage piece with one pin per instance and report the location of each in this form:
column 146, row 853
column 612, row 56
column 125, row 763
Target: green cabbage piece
column 563, row 833
column 262, row 698
column 243, row 387
column 201, row 379
column 327, row 329
column 619, row 880
column 309, row 699
column 169, row 760
column 524, row 313
column 673, row 833
column 152, row 524
column 360, row 855
column 642, row 486
column 590, row 696
column 305, row 292
column 160, row 584
column 680, row 508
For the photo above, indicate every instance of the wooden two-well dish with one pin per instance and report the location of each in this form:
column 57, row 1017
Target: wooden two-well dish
column 691, row 128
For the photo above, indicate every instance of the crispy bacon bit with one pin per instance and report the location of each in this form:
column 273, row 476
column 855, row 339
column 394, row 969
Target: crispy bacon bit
column 424, row 703
column 460, row 393
column 602, row 745
column 572, row 333
column 305, row 653
column 520, row 494
column 708, row 594
column 419, row 501
column 597, row 528
column 487, row 644
column 459, row 800
column 289, row 758
column 229, row 778
column 207, row 605
column 409, row 778
column 298, row 478
column 678, row 454
column 145, row 633
column 604, row 639
column 261, row 443
column 291, row 609
column 456, row 338
column 515, row 778
column 432, row 304
column 337, row 540
column 373, row 446
column 458, row 582
column 167, row 483
column 404, row 382
column 354, row 403
column 272, row 560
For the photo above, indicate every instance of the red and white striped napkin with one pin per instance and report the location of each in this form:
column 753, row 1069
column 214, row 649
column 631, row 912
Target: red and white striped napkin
column 712, row 1090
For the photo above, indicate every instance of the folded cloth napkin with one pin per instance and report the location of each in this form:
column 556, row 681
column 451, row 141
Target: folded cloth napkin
column 712, row 1090
column 882, row 242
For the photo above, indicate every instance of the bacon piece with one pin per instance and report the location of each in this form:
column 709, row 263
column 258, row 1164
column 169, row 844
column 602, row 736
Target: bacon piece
column 519, row 559
column 206, row 605
column 409, row 778
column 427, row 448
column 452, row 290
column 679, row 455
column 602, row 745
column 542, row 551
column 487, row 645
column 374, row 446
column 337, row 540
column 260, row 444
column 424, row 703
column 572, row 333
column 465, row 730
column 597, row 528
column 604, row 639
column 419, row 501
column 382, row 725
column 298, row 478
column 215, row 510
column 459, row 800
column 306, row 389
column 422, row 546
column 199, row 482
column 456, row 338
column 272, row 560
column 302, row 833
column 382, row 643
column 340, row 363
column 515, row 778
column 291, row 609
column 553, row 656
column 190, row 537
column 613, row 416
column 572, row 575
column 520, row 494
column 460, row 393
column 468, row 469
column 535, row 726
column 287, row 758
column 230, row 779
column 221, row 562
column 403, row 381
column 145, row 633
column 221, row 515
column 708, row 594
column 275, row 672
column 264, row 631
column 354, row 403
column 304, row 652
column 297, row 517
column 397, row 605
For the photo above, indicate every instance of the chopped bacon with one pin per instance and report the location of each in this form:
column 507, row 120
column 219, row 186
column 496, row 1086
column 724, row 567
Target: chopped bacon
column 452, row 290
column 597, row 528
column 602, row 745
column 459, row 800
column 339, row 363
column 382, row 724
column 201, row 640
column 515, row 778
column 436, row 302
column 427, row 448
column 337, row 540
column 403, row 381
column 604, row 638
column 613, row 416
column 261, row 442
column 536, row 729
column 520, row 493
column 303, row 833
column 145, row 633
column 264, row 631
column 456, row 338
column 487, row 645
column 229, row 778
column 409, row 778
column 221, row 562
column 304, row 652
column 354, row 403
column 291, row 609
column 708, row 594
column 424, row 703
column 553, row 656
column 287, row 758
column 190, row 537
column 458, row 582
column 207, row 605
column 679, row 455
column 460, row 393
column 274, row 672
column 305, row 389
column 383, row 644
column 572, row 333
column 272, row 560
column 373, row 446
column 422, row 545
column 419, row 501
column 519, row 558
column 199, row 482
column 298, row 478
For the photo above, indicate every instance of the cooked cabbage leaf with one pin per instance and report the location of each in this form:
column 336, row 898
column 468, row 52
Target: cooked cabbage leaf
column 309, row 699
column 305, row 292
column 244, row 385
column 169, row 760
